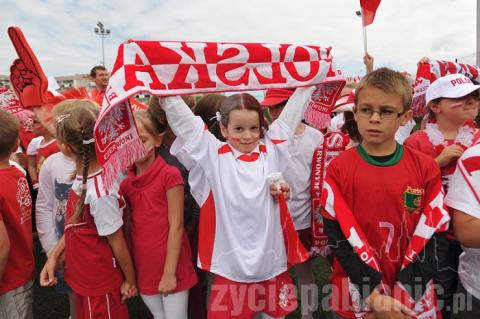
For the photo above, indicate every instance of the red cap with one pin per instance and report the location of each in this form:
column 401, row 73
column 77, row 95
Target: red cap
column 276, row 96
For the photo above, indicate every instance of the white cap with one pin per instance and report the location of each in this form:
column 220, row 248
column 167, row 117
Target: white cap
column 450, row 86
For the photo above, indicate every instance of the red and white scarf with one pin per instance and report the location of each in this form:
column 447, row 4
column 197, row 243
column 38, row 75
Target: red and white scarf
column 165, row 68
column 464, row 137
column 323, row 101
column 334, row 143
column 428, row 72
column 10, row 103
column 434, row 218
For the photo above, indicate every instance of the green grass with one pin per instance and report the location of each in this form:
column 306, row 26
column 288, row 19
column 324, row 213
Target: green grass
column 48, row 304
column 321, row 271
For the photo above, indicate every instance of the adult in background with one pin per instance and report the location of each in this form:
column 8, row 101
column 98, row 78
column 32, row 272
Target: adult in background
column 99, row 76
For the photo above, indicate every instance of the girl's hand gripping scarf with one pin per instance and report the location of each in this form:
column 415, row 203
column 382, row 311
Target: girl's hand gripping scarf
column 427, row 72
column 165, row 68
column 434, row 218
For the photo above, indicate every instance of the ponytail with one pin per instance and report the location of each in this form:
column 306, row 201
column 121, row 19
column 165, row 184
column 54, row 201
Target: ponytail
column 85, row 164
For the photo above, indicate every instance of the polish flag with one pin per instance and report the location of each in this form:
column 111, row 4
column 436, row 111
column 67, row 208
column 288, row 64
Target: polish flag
column 369, row 7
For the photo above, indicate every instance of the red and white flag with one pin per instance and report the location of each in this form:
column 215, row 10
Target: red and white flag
column 369, row 8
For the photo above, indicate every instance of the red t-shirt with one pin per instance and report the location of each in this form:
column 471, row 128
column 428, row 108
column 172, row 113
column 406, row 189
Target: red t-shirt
column 16, row 214
column 146, row 196
column 386, row 199
column 44, row 151
column 90, row 266
column 420, row 141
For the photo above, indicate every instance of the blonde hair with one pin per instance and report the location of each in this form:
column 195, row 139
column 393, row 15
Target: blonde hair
column 389, row 81
column 75, row 127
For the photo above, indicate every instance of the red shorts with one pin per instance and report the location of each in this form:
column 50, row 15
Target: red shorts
column 106, row 306
column 230, row 299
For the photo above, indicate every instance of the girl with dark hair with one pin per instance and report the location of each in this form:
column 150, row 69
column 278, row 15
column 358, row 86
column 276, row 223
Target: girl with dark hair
column 242, row 235
column 207, row 108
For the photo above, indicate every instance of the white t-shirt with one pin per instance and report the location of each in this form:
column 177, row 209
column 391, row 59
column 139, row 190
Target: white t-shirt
column 240, row 236
column 34, row 145
column 298, row 176
column 461, row 197
column 54, row 185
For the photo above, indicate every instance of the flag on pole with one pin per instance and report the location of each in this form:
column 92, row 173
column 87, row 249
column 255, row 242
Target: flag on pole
column 369, row 7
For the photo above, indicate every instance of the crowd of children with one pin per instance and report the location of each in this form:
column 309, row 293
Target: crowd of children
column 197, row 228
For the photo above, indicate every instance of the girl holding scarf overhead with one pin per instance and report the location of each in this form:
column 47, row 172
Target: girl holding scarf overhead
column 385, row 227
column 247, row 240
column 453, row 105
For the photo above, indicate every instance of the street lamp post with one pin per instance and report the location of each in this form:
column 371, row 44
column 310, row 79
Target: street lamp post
column 100, row 30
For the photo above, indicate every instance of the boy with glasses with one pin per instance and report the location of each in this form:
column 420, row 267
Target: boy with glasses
column 383, row 212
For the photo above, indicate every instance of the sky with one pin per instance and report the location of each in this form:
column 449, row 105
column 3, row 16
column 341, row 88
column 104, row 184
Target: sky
column 61, row 33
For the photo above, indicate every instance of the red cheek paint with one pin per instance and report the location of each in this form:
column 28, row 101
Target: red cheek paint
column 234, row 139
column 456, row 105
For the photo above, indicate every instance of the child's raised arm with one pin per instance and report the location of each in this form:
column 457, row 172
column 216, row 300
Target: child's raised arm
column 4, row 247
column 180, row 118
column 295, row 108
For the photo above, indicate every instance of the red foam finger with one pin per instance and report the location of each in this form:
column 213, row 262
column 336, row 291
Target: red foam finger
column 24, row 51
column 27, row 76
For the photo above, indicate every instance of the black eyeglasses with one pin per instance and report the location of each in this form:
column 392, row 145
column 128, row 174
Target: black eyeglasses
column 384, row 114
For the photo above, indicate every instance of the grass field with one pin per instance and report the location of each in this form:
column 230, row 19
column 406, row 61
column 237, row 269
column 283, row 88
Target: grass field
column 48, row 304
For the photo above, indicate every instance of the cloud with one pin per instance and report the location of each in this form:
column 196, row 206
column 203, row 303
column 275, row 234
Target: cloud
column 61, row 32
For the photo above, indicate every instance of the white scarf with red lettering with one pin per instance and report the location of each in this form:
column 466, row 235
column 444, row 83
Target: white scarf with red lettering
column 165, row 68
column 428, row 72
column 334, row 143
